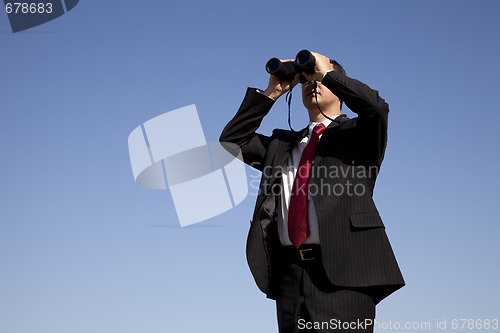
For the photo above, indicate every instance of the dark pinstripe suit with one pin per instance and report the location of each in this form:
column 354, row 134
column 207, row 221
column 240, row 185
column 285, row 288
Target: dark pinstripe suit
column 354, row 247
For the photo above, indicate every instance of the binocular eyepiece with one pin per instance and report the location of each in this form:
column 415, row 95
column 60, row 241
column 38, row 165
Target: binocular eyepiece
column 304, row 62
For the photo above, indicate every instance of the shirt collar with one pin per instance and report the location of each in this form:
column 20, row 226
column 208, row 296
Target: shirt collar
column 325, row 122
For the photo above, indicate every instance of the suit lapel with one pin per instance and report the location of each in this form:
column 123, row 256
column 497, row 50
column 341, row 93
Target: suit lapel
column 283, row 151
column 287, row 147
column 328, row 131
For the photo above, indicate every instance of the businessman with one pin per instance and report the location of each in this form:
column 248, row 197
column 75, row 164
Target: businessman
column 317, row 244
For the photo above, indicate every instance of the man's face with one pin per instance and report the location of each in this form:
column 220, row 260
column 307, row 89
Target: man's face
column 325, row 97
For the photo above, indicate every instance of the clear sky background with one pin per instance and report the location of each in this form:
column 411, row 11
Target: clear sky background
column 83, row 249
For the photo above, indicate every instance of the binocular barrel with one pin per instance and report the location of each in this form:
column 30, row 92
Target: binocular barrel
column 283, row 70
column 304, row 62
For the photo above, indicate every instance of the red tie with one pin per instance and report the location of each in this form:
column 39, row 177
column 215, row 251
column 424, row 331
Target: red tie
column 298, row 217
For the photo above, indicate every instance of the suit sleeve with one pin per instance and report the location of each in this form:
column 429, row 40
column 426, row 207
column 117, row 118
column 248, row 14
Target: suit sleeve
column 240, row 133
column 372, row 112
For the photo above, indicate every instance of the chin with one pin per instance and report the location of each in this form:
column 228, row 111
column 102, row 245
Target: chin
column 313, row 102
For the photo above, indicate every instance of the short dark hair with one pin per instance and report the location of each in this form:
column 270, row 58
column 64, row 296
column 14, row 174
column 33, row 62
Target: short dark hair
column 339, row 69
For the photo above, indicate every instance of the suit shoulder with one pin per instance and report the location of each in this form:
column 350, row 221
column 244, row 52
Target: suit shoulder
column 348, row 122
column 282, row 134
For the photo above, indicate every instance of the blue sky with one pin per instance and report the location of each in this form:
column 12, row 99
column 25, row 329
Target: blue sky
column 83, row 249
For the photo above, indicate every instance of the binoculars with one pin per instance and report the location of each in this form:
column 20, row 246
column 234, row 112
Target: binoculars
column 304, row 62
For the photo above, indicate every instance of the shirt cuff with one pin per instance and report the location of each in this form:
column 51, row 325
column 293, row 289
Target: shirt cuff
column 331, row 70
column 261, row 92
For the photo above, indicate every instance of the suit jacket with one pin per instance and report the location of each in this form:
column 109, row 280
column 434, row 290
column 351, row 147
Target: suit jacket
column 354, row 246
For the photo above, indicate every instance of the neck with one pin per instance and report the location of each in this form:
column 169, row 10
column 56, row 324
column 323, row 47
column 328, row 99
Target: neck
column 316, row 116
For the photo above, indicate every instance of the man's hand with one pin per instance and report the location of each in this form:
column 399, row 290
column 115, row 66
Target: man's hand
column 322, row 65
column 276, row 87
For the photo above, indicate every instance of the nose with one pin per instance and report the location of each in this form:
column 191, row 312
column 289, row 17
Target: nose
column 308, row 84
column 311, row 84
